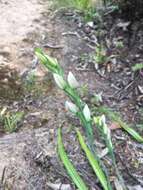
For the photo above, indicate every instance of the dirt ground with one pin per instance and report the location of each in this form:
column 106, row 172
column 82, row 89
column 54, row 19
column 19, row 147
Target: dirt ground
column 28, row 158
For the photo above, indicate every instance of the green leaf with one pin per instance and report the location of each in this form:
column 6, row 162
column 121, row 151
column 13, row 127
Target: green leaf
column 137, row 67
column 113, row 116
column 93, row 162
column 131, row 131
column 68, row 165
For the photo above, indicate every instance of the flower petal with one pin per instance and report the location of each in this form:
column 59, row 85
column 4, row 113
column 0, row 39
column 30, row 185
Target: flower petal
column 86, row 113
column 59, row 81
column 72, row 81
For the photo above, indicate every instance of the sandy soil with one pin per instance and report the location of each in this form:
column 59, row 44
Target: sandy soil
column 18, row 19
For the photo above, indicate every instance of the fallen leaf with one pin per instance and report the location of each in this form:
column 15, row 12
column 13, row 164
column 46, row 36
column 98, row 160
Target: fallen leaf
column 114, row 126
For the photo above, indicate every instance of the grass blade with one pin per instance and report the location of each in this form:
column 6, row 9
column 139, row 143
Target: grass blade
column 131, row 131
column 94, row 163
column 68, row 165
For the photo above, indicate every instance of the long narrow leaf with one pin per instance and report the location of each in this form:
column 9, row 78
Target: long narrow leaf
column 94, row 163
column 116, row 118
column 68, row 165
column 131, row 131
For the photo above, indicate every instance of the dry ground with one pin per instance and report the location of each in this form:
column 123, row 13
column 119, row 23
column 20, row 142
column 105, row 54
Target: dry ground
column 28, row 157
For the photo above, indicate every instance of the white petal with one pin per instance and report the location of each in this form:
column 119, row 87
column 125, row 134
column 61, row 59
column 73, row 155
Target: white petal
column 71, row 107
column 86, row 113
column 59, row 81
column 72, row 81
column 103, row 119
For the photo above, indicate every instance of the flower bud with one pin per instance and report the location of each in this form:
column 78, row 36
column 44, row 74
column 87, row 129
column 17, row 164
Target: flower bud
column 86, row 113
column 72, row 80
column 71, row 107
column 45, row 59
column 97, row 120
column 52, row 61
column 106, row 130
column 59, row 81
column 103, row 119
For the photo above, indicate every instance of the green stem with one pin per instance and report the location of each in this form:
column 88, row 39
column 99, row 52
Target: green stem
column 76, row 99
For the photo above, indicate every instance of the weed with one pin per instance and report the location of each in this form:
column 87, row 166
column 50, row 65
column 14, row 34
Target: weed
column 78, row 4
column 87, row 7
column 119, row 45
column 137, row 67
column 37, row 87
column 100, row 56
column 10, row 120
column 30, row 81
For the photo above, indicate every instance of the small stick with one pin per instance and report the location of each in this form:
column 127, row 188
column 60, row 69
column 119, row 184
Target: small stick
column 52, row 46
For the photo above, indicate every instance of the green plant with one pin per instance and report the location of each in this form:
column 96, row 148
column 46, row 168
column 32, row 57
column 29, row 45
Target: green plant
column 30, row 81
column 68, row 165
column 87, row 7
column 119, row 44
column 36, row 87
column 78, row 4
column 70, row 87
column 100, row 56
column 105, row 133
column 11, row 121
column 115, row 117
column 93, row 162
column 137, row 67
column 31, row 84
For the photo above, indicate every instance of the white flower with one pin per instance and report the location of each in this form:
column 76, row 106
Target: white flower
column 71, row 107
column 103, row 119
column 72, row 81
column 59, row 81
column 86, row 113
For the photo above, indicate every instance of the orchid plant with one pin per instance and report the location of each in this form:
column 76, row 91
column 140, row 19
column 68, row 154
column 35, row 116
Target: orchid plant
column 79, row 108
column 69, row 86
